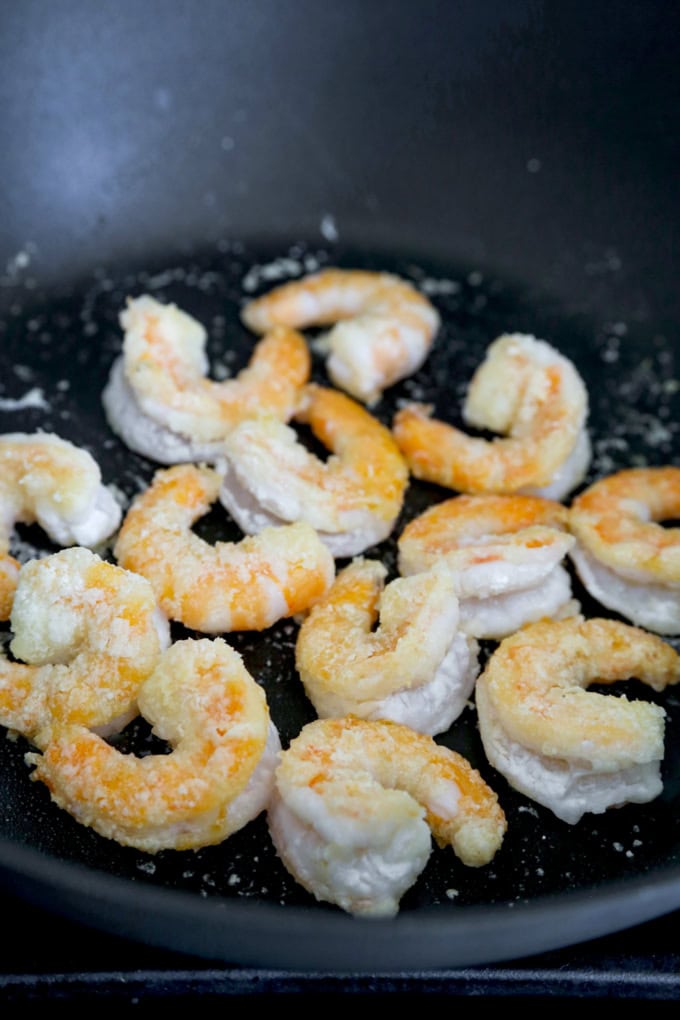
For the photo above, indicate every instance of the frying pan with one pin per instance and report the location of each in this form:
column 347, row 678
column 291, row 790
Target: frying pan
column 517, row 161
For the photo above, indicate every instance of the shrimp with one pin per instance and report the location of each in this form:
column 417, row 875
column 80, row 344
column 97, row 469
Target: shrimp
column 219, row 775
column 352, row 499
column 88, row 633
column 567, row 748
column 505, row 556
column 159, row 401
column 246, row 585
column 531, row 394
column 356, row 804
column 382, row 327
column 47, row 480
column 624, row 556
column 415, row 668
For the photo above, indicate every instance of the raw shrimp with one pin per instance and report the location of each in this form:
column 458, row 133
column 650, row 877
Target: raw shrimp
column 356, row 804
column 246, row 585
column 352, row 498
column 219, row 775
column 159, row 401
column 415, row 668
column 532, row 395
column 88, row 633
column 570, row 749
column 505, row 556
column 49, row 481
column 624, row 556
column 382, row 327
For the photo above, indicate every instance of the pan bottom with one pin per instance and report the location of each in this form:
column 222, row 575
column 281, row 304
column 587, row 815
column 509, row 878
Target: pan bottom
column 55, row 356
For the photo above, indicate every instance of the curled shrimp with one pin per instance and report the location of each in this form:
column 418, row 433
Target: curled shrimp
column 415, row 667
column 505, row 556
column 624, row 556
column 159, row 400
column 246, row 585
column 352, row 499
column 382, row 327
column 568, row 748
column 47, row 480
column 532, row 395
column 88, row 633
column 219, row 775
column 356, row 803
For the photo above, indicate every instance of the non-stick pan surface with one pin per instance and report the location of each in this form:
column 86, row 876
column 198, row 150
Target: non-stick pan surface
column 551, row 883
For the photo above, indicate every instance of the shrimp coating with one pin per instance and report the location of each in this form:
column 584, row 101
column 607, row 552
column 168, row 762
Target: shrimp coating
column 218, row 776
column 532, row 395
column 570, row 749
column 88, row 633
column 352, row 499
column 356, row 803
column 246, row 585
column 382, row 327
column 415, row 667
column 505, row 556
column 49, row 481
column 159, row 401
column 624, row 556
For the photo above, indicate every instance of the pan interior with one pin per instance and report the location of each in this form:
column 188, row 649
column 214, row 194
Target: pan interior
column 55, row 355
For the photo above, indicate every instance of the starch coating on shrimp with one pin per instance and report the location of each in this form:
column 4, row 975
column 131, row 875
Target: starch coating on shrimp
column 505, row 555
column 568, row 748
column 415, row 667
column 382, row 327
column 205, row 704
column 534, row 397
column 352, row 499
column 159, row 400
column 47, row 480
column 624, row 556
column 88, row 633
column 356, row 804
column 246, row 585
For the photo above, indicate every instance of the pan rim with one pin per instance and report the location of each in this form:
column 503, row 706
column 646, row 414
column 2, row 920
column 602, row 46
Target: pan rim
column 292, row 938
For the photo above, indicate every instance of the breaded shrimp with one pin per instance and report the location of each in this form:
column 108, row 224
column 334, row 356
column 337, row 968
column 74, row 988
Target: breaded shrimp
column 505, row 555
column 624, row 556
column 416, row 667
column 356, row 804
column 49, row 481
column 246, row 585
column 382, row 326
column 88, row 633
column 352, row 499
column 159, row 400
column 532, row 395
column 570, row 749
column 218, row 776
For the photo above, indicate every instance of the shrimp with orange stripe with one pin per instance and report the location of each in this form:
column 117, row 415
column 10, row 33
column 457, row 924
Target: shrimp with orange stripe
column 416, row 667
column 624, row 555
column 49, row 481
column 242, row 585
column 505, row 554
column 160, row 401
column 86, row 633
column 357, row 802
column 217, row 777
column 529, row 393
column 352, row 498
column 382, row 327
column 573, row 750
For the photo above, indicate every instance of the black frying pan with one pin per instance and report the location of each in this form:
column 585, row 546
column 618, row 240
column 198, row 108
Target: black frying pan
column 495, row 158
